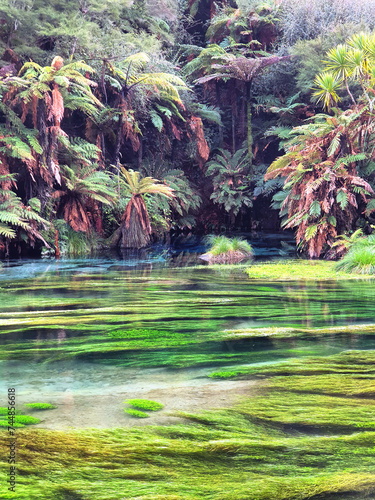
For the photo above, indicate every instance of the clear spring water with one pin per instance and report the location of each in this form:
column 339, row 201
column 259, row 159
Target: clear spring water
column 88, row 333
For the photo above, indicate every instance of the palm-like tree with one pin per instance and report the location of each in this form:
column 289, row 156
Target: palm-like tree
column 83, row 187
column 322, row 185
column 18, row 221
column 160, row 88
column 44, row 93
column 135, row 222
column 230, row 181
column 245, row 70
column 327, row 85
column 353, row 61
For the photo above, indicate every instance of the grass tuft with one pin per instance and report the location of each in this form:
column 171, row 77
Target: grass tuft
column 360, row 258
column 225, row 250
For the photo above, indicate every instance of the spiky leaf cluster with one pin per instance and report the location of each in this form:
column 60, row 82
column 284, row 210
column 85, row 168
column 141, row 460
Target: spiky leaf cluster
column 322, row 184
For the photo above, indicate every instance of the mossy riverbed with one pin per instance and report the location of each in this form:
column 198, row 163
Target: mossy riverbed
column 305, row 429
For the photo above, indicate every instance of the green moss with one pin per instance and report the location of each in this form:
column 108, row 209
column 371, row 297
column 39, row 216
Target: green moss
column 305, row 270
column 356, row 363
column 19, row 421
column 4, row 410
column 40, row 406
column 27, row 420
column 136, row 413
column 145, row 404
column 5, row 423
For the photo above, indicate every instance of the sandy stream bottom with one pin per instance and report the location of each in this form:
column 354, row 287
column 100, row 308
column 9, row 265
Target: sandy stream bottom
column 92, row 396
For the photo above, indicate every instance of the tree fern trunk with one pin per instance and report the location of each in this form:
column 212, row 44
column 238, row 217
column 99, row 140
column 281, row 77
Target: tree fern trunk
column 249, row 125
column 118, row 142
column 135, row 227
column 233, row 99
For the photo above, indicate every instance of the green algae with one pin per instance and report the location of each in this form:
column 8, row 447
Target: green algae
column 306, row 430
column 359, row 363
column 40, row 406
column 145, row 404
column 136, row 413
column 223, row 455
column 304, row 270
column 252, row 450
column 125, row 316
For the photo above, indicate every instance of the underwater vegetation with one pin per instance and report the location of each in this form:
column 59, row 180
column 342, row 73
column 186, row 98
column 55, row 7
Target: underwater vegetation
column 142, row 404
column 184, row 318
column 18, row 419
column 145, row 404
column 304, row 270
column 299, row 435
column 136, row 413
column 304, row 427
column 40, row 406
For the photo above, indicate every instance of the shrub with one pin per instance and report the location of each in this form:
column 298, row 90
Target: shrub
column 220, row 245
column 241, row 245
column 145, row 404
column 360, row 258
column 136, row 413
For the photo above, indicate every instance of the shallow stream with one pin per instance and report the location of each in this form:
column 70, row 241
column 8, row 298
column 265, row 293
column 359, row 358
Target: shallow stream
column 87, row 334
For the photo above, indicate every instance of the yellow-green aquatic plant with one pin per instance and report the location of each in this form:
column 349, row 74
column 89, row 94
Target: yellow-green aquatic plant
column 145, row 404
column 40, row 406
column 136, row 413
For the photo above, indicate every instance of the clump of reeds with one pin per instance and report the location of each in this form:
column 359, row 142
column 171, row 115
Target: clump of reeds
column 225, row 250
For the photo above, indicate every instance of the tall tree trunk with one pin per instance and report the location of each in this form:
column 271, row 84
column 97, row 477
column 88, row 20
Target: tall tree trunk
column 249, row 125
column 135, row 225
column 233, row 100
column 119, row 139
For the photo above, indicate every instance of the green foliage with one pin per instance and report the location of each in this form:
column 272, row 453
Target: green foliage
column 145, row 404
column 321, row 181
column 74, row 243
column 220, row 245
column 230, row 178
column 360, row 258
column 185, row 202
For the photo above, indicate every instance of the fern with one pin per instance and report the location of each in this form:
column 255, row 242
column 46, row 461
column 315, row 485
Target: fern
column 311, row 232
column 315, row 209
column 335, row 144
column 346, row 160
column 342, row 199
column 370, row 208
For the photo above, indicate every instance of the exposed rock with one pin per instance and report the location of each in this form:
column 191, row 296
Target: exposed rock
column 231, row 257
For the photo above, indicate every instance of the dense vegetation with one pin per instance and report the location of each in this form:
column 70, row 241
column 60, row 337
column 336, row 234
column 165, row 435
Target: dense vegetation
column 123, row 121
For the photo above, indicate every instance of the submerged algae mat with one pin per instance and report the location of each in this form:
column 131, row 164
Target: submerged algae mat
column 304, row 430
column 175, row 317
column 286, row 443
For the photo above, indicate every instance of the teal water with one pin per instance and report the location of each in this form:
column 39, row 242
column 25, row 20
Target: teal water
column 84, row 324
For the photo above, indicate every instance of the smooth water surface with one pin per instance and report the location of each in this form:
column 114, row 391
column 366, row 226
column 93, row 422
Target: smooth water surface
column 104, row 328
